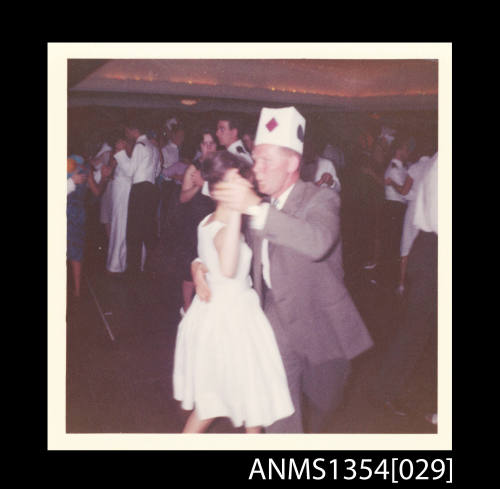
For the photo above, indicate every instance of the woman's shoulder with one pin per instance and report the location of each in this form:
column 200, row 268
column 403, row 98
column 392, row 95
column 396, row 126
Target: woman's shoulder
column 210, row 220
column 209, row 227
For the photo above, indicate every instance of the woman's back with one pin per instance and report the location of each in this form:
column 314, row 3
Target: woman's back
column 207, row 229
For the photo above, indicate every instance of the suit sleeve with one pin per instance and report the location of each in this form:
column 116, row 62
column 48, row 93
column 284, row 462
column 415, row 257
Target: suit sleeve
column 315, row 233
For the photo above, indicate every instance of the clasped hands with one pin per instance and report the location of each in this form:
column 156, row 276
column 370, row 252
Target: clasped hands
column 235, row 192
column 325, row 178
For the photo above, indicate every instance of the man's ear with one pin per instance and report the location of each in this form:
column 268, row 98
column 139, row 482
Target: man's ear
column 293, row 163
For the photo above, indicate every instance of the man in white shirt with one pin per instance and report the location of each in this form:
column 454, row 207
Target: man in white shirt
column 417, row 333
column 170, row 177
column 228, row 135
column 394, row 208
column 171, row 151
column 143, row 198
column 297, row 270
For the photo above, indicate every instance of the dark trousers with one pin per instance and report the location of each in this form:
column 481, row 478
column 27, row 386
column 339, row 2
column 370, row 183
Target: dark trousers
column 142, row 206
column 418, row 331
column 169, row 206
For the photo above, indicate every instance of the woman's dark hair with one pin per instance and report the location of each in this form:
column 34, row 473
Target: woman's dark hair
column 199, row 140
column 204, row 131
column 215, row 166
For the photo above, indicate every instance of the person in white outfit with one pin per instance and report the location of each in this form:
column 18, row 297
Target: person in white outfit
column 174, row 135
column 120, row 191
column 395, row 204
column 103, row 158
column 414, row 343
column 410, row 231
column 144, row 197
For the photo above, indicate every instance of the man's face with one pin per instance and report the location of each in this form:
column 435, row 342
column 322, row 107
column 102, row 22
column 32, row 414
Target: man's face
column 178, row 137
column 131, row 134
column 272, row 168
column 404, row 153
column 225, row 134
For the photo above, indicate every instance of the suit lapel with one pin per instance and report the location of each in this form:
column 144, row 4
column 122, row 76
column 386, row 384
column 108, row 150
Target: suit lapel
column 293, row 203
column 291, row 207
column 256, row 243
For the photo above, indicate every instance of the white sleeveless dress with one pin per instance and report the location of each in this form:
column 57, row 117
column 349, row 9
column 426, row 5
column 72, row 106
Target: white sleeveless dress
column 227, row 362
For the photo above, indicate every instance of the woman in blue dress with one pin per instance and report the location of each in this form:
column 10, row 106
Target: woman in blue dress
column 75, row 213
column 76, row 217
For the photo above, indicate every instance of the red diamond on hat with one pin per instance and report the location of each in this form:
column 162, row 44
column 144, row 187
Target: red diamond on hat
column 272, row 124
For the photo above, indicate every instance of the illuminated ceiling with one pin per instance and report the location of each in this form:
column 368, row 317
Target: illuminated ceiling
column 234, row 84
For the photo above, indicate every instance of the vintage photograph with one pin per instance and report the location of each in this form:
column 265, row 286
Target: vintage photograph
column 250, row 243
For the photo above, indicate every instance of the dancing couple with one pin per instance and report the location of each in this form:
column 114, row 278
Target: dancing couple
column 257, row 349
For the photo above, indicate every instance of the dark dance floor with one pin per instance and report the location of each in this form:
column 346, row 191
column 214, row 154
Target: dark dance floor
column 120, row 345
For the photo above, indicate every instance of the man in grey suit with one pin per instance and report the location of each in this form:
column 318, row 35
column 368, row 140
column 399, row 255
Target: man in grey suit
column 297, row 270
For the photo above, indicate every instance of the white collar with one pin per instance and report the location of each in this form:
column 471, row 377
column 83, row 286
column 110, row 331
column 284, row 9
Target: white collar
column 234, row 144
column 281, row 200
column 398, row 162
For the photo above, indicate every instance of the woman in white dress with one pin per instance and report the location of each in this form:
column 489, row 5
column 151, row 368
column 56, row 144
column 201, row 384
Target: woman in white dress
column 227, row 362
column 104, row 157
column 120, row 191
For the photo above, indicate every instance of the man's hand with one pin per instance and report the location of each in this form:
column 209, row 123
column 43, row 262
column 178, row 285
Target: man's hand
column 325, row 178
column 237, row 193
column 198, row 271
column 196, row 179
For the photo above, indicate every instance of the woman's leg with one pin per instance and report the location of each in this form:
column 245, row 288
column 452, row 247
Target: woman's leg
column 76, row 269
column 195, row 424
column 253, row 429
column 187, row 293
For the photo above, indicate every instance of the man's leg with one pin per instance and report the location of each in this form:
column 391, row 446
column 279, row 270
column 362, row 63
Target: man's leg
column 153, row 197
column 324, row 388
column 415, row 331
column 133, row 231
column 294, row 366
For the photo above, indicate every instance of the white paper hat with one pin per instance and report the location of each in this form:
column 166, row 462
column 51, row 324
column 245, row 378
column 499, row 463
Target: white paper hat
column 170, row 123
column 104, row 148
column 283, row 127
